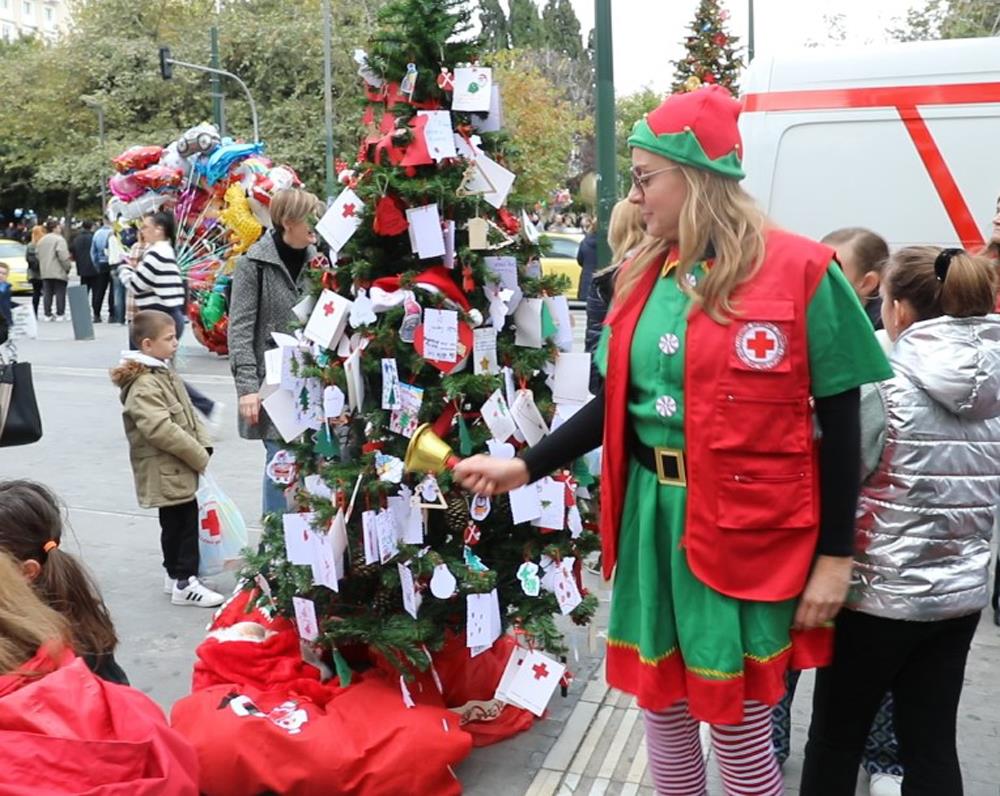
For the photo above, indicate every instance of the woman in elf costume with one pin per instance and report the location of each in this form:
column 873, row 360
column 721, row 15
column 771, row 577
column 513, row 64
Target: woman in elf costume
column 730, row 348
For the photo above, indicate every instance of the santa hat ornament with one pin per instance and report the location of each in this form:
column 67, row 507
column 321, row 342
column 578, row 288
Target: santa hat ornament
column 387, row 293
column 696, row 128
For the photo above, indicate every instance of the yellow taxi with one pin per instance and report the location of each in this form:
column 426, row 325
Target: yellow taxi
column 12, row 255
column 561, row 258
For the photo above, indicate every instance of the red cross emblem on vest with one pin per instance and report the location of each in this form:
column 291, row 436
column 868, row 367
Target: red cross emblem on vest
column 761, row 345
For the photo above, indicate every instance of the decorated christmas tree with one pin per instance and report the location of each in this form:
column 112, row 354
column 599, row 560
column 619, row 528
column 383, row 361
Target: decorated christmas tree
column 432, row 309
column 712, row 52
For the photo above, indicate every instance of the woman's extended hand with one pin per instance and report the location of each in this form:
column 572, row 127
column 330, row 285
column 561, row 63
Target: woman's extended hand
column 488, row 475
column 825, row 591
column 250, row 408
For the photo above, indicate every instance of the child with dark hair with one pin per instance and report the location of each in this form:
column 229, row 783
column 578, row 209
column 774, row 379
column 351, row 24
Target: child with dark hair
column 862, row 255
column 64, row 729
column 168, row 447
column 931, row 443
column 31, row 526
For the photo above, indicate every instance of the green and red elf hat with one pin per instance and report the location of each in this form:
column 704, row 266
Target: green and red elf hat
column 697, row 128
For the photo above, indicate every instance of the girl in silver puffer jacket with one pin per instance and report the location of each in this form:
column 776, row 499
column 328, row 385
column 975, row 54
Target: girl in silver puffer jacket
column 924, row 525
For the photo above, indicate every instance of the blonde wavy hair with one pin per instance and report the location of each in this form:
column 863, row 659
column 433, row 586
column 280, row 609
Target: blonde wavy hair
column 26, row 623
column 718, row 211
column 625, row 230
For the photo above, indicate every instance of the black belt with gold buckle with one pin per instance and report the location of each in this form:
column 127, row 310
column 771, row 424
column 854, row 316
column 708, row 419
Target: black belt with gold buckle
column 667, row 463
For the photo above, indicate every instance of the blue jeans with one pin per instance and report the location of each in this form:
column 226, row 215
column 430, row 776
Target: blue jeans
column 273, row 495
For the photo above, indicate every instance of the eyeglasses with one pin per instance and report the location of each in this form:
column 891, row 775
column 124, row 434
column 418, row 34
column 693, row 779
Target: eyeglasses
column 639, row 179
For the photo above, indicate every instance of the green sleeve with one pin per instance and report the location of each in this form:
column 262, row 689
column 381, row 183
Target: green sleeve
column 601, row 352
column 843, row 351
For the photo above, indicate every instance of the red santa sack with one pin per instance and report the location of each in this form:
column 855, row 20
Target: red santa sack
column 69, row 732
column 364, row 742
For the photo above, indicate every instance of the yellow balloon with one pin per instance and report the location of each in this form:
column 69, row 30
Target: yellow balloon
column 239, row 219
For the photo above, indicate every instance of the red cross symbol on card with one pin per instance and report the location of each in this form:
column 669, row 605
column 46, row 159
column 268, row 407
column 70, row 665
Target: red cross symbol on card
column 349, row 209
column 541, row 671
column 328, row 309
column 211, row 523
column 761, row 344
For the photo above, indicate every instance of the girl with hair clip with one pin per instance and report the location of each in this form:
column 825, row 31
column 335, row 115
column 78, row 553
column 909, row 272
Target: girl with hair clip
column 726, row 523
column 66, row 731
column 925, row 520
column 31, row 526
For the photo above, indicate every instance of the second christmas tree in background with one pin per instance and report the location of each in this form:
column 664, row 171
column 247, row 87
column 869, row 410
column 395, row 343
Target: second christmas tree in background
column 432, row 310
column 712, row 52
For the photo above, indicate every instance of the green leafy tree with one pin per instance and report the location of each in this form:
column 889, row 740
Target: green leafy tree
column 712, row 53
column 562, row 29
column 493, row 22
column 50, row 156
column 526, row 31
column 544, row 126
column 628, row 110
column 949, row 19
column 368, row 607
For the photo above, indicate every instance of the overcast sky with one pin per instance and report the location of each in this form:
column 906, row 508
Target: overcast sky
column 648, row 33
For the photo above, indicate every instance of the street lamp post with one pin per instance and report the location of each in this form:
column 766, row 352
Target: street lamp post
column 99, row 108
column 328, row 99
column 166, row 64
column 607, row 183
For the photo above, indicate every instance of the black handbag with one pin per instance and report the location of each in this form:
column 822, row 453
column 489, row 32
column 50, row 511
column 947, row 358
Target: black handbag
column 20, row 421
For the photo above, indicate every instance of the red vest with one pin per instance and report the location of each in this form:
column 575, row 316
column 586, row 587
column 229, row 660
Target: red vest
column 752, row 476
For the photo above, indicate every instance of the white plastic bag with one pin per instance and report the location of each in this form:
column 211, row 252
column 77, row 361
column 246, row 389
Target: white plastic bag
column 222, row 532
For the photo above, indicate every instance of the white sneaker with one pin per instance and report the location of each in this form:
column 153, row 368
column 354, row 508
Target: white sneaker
column 168, row 584
column 50, row 318
column 195, row 594
column 885, row 785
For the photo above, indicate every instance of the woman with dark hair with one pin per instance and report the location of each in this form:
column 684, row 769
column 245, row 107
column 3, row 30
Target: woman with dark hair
column 156, row 283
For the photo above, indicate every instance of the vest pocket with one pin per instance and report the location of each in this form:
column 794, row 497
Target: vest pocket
column 765, row 502
column 761, row 424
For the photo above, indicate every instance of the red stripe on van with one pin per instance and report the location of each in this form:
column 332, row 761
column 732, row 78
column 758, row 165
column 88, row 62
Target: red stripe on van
column 876, row 97
column 951, row 197
column 905, row 100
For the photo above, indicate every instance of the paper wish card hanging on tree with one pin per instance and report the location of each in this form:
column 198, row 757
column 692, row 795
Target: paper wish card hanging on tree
column 472, row 89
column 341, row 220
column 328, row 319
column 426, row 236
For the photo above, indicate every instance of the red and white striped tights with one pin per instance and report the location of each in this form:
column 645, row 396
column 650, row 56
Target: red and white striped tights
column 744, row 753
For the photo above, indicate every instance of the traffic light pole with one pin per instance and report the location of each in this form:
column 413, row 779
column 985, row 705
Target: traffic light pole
column 166, row 64
column 607, row 180
column 218, row 108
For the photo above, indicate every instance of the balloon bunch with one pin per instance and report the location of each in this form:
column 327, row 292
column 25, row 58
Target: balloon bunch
column 219, row 191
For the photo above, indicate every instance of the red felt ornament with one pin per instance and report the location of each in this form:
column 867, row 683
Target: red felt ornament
column 468, row 283
column 508, row 222
column 390, row 218
column 417, row 153
column 472, row 533
column 708, row 78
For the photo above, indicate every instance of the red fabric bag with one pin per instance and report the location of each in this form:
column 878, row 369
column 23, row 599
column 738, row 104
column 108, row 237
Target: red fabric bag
column 69, row 732
column 468, row 685
column 363, row 743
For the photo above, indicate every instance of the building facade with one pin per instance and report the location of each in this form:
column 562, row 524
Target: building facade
column 44, row 18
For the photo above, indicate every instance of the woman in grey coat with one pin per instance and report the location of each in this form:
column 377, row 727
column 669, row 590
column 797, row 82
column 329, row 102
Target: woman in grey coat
column 270, row 279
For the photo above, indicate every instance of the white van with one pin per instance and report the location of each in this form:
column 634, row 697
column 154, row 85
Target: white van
column 903, row 139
